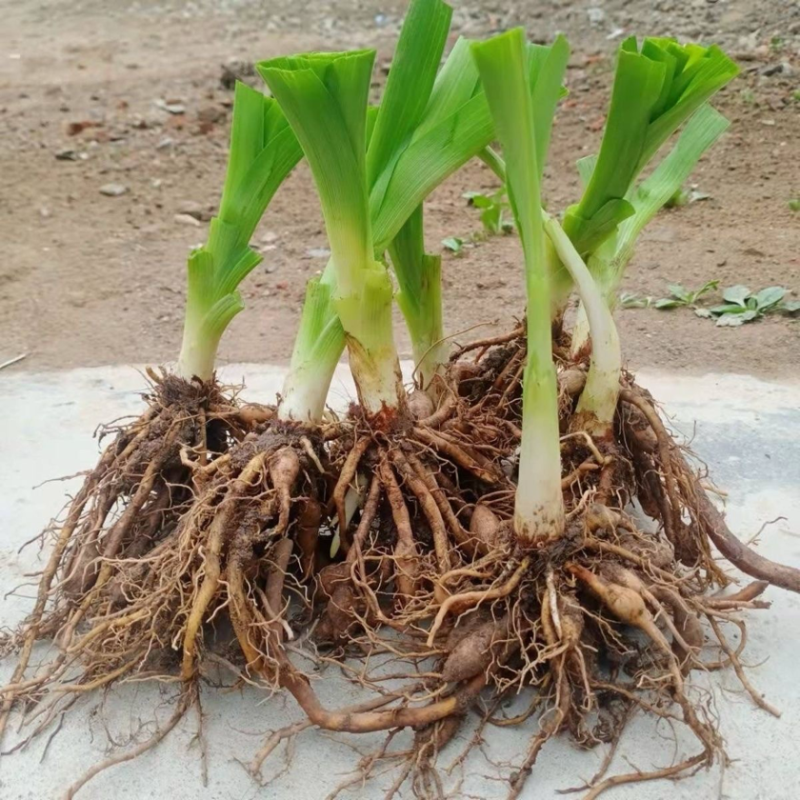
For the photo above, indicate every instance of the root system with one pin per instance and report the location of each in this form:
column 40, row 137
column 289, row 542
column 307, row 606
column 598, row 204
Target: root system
column 394, row 537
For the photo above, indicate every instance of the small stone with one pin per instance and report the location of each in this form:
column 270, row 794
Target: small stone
column 784, row 68
column 113, row 189
column 596, row 15
column 318, row 252
column 66, row 155
column 192, row 209
column 211, row 114
column 269, row 237
column 44, row 212
column 170, row 108
column 74, row 128
column 186, row 219
column 236, row 70
column 165, row 144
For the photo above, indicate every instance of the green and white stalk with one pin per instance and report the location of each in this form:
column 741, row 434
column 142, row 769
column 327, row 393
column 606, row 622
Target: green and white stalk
column 390, row 131
column 324, row 97
column 503, row 65
column 598, row 401
column 318, row 347
column 419, row 275
column 263, row 152
column 608, row 263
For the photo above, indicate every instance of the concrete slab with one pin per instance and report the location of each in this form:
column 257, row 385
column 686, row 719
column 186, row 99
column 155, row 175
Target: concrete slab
column 748, row 431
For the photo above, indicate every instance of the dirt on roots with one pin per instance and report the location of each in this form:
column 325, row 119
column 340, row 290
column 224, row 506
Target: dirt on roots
column 396, row 539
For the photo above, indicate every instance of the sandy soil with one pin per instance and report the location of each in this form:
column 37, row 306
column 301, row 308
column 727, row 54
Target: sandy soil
column 89, row 279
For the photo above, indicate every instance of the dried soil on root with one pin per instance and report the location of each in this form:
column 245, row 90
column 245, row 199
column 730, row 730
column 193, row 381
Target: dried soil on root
column 116, row 527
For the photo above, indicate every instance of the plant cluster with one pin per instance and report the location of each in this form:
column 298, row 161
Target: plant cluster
column 740, row 304
column 476, row 526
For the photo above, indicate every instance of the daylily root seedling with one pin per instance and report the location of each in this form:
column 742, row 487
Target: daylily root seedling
column 476, row 528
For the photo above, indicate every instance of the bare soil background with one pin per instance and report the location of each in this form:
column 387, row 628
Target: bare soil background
column 88, row 279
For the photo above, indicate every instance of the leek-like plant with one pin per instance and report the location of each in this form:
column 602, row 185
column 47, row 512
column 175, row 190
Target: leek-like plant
column 609, row 261
column 324, row 97
column 263, row 151
column 523, row 131
column 389, row 131
column 656, row 89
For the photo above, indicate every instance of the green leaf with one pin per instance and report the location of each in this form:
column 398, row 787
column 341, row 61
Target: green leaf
column 654, row 92
column 490, row 218
column 263, row 151
column 769, row 297
column 666, row 303
column 730, row 320
column 700, row 133
column 633, row 300
column 678, row 292
column 453, row 244
column 734, row 319
column 410, row 82
column 794, row 205
column 710, row 286
column 736, row 294
column 728, row 308
column 480, row 200
column 790, row 306
column 324, row 97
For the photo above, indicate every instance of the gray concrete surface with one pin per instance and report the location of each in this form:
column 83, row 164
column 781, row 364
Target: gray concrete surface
column 748, row 432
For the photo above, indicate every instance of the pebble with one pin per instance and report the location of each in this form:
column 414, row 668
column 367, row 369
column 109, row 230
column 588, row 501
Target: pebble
column 211, row 114
column 236, row 70
column 170, row 108
column 113, row 189
column 66, row 155
column 191, row 208
column 318, row 252
column 596, row 15
column 269, row 237
column 186, row 219
column 165, row 144
column 784, row 68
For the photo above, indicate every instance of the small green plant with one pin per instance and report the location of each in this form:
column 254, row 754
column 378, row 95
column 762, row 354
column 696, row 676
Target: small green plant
column 633, row 300
column 454, row 244
column 794, row 204
column 683, row 197
column 493, row 208
column 796, row 95
column 680, row 297
column 741, row 305
column 776, row 44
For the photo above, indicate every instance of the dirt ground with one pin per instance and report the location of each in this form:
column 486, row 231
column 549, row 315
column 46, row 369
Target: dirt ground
column 88, row 279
